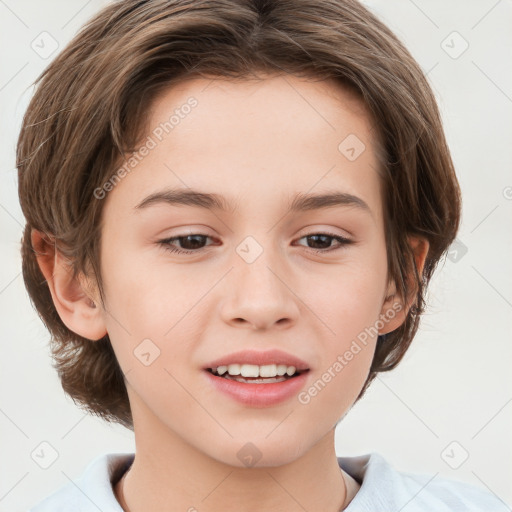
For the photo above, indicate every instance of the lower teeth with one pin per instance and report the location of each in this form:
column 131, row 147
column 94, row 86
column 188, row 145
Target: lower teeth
column 254, row 380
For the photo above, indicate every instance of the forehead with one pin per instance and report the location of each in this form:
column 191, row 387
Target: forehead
column 246, row 137
column 277, row 102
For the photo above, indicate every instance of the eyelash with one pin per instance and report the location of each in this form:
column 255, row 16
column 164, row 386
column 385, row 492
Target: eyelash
column 165, row 243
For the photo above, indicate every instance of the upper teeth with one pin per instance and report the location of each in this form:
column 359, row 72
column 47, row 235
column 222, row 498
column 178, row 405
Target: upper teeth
column 253, row 370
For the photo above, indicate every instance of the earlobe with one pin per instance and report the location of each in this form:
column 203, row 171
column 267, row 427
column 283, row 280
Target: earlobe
column 77, row 310
column 394, row 309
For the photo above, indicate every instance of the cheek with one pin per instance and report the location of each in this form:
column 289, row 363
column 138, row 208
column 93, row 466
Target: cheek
column 347, row 297
column 144, row 297
column 348, row 303
column 345, row 365
column 144, row 314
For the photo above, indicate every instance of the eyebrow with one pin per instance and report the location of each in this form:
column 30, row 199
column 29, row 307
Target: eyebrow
column 299, row 202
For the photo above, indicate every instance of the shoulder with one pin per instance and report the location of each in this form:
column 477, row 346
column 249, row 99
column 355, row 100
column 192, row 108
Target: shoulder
column 384, row 488
column 92, row 491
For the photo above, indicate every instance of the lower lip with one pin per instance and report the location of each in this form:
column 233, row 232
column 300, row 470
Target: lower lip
column 259, row 395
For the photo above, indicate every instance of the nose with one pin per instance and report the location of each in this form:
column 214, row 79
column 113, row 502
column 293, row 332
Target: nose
column 259, row 295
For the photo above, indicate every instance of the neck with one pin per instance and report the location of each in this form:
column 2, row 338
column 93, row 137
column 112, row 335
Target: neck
column 158, row 480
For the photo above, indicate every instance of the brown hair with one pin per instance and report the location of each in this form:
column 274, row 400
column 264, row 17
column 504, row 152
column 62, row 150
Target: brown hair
column 88, row 111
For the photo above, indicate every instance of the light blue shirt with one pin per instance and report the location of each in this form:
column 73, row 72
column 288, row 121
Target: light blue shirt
column 382, row 489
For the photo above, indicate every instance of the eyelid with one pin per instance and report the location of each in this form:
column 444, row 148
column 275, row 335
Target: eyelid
column 310, row 231
column 316, row 229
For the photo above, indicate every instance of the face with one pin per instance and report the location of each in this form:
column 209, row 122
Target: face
column 190, row 281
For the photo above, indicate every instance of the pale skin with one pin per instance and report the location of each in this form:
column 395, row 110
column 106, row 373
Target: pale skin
column 256, row 143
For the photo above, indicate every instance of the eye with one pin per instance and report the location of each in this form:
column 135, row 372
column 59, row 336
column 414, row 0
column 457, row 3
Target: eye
column 196, row 242
column 322, row 241
column 190, row 243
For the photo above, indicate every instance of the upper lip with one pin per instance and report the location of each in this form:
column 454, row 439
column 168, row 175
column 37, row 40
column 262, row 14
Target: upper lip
column 259, row 358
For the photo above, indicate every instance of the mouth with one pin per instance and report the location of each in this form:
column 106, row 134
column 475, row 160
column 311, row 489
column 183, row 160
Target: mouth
column 255, row 374
column 258, row 378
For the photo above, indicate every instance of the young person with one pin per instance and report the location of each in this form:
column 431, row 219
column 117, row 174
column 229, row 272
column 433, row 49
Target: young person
column 233, row 211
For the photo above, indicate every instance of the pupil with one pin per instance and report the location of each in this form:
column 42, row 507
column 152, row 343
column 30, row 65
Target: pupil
column 195, row 242
column 315, row 240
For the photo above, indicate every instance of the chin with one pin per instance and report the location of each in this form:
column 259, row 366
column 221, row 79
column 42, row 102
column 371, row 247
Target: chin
column 260, row 452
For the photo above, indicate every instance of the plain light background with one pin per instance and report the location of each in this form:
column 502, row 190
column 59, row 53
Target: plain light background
column 447, row 409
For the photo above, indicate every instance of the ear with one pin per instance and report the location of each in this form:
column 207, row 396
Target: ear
column 79, row 311
column 395, row 309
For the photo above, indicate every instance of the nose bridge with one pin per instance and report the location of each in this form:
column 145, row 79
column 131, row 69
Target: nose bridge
column 257, row 291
